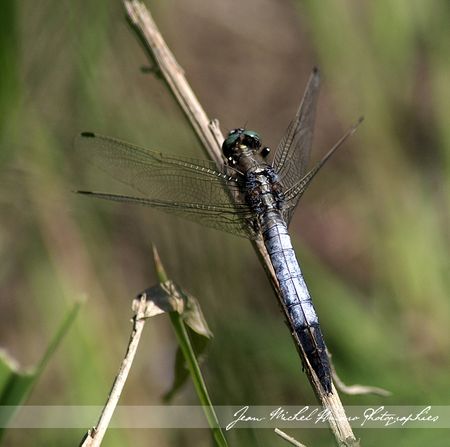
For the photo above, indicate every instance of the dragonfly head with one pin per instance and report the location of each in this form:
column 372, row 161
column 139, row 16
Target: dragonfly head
column 240, row 141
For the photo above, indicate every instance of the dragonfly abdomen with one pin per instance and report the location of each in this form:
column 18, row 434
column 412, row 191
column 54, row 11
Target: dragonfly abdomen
column 296, row 297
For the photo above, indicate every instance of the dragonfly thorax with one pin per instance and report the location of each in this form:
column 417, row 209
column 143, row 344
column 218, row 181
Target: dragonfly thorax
column 263, row 193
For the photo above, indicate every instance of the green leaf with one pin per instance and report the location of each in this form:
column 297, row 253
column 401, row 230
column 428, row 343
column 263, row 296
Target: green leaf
column 169, row 297
column 181, row 371
column 192, row 334
column 193, row 317
column 199, row 335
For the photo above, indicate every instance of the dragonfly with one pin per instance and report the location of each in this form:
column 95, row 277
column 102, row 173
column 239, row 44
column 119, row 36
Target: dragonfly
column 248, row 196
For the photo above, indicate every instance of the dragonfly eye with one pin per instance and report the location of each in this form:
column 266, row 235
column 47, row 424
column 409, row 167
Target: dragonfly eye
column 251, row 139
column 238, row 137
column 230, row 142
column 251, row 142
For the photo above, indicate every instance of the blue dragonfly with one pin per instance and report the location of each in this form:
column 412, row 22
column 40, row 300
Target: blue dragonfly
column 249, row 196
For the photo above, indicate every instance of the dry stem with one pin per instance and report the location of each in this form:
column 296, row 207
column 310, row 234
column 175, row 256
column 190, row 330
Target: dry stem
column 95, row 435
column 211, row 138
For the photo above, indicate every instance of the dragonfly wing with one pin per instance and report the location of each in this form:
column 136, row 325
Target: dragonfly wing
column 190, row 188
column 235, row 220
column 294, row 193
column 293, row 153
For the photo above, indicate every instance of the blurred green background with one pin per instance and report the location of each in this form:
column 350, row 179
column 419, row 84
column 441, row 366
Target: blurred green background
column 371, row 233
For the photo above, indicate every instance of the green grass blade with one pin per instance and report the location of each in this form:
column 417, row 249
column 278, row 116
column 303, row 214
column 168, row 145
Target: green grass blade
column 187, row 349
column 15, row 384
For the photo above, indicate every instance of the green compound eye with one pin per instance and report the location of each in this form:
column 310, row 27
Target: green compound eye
column 230, row 141
column 249, row 138
column 252, row 134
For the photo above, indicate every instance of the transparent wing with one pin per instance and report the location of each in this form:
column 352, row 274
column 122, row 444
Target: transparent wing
column 235, row 219
column 193, row 189
column 293, row 194
column 293, row 153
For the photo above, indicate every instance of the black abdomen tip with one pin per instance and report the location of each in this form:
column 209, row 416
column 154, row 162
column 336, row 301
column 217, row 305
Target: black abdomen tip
column 88, row 134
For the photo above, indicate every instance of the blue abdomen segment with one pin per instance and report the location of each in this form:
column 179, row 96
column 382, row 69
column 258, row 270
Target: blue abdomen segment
column 297, row 299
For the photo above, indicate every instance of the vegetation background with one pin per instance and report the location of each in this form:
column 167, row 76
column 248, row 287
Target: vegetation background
column 371, row 233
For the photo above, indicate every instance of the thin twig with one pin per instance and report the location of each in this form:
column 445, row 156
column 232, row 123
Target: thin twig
column 94, row 436
column 355, row 389
column 211, row 138
column 288, row 438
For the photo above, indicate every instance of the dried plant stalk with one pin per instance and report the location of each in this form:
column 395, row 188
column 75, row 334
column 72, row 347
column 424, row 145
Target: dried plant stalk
column 211, row 138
